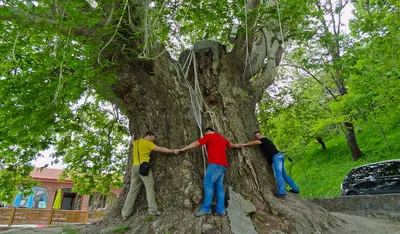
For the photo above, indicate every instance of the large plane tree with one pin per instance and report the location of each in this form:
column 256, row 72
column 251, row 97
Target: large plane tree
column 62, row 59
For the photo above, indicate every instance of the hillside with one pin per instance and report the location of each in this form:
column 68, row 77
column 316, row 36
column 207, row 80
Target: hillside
column 320, row 173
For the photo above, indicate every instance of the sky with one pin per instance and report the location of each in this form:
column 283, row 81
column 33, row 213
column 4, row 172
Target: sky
column 40, row 162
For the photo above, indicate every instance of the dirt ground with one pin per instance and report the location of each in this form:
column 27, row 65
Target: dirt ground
column 350, row 224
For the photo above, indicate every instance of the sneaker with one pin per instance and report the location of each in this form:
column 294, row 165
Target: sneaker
column 155, row 213
column 219, row 214
column 201, row 213
column 294, row 191
column 278, row 195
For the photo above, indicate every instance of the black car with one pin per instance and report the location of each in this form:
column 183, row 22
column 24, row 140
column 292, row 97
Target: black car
column 375, row 178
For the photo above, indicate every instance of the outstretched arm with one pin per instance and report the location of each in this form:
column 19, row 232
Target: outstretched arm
column 165, row 150
column 252, row 143
column 191, row 146
column 235, row 145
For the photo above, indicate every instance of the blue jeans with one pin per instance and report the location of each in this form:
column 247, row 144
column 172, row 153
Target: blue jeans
column 214, row 177
column 280, row 174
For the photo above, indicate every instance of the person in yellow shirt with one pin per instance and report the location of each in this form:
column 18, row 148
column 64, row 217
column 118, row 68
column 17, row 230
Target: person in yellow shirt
column 141, row 153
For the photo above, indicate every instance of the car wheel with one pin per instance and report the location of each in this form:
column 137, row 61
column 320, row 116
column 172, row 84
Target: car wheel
column 352, row 194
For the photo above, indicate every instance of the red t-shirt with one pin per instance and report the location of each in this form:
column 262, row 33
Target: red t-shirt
column 216, row 148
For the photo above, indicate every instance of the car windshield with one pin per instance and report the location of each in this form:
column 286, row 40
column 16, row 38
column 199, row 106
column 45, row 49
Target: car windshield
column 365, row 173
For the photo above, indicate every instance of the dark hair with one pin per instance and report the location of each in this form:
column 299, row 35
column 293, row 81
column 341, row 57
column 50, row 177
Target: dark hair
column 209, row 129
column 150, row 134
column 257, row 132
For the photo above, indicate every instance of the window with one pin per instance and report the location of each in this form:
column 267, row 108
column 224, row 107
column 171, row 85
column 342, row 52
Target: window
column 363, row 174
column 389, row 169
column 97, row 201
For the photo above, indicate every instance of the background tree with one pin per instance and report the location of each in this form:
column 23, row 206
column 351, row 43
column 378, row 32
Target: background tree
column 370, row 64
column 374, row 72
column 296, row 114
column 319, row 53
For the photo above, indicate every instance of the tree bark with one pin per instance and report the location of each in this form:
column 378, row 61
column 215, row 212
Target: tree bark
column 321, row 141
column 352, row 141
column 159, row 101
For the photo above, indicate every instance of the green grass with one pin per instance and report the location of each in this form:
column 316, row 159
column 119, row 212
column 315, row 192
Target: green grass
column 320, row 173
column 67, row 229
column 148, row 219
column 121, row 229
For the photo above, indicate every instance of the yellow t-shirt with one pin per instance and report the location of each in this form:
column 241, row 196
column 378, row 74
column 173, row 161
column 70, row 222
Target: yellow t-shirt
column 145, row 148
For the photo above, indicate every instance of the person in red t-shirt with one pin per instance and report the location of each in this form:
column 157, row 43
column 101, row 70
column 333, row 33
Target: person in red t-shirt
column 216, row 146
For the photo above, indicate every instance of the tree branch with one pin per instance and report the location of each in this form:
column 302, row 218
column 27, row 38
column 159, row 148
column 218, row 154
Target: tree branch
column 340, row 17
column 26, row 17
column 342, row 6
column 16, row 13
column 322, row 19
column 313, row 76
column 258, row 52
column 333, row 17
column 334, row 79
column 274, row 52
column 244, row 42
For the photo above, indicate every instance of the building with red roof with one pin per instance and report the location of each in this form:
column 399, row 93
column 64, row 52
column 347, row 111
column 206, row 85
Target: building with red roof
column 49, row 183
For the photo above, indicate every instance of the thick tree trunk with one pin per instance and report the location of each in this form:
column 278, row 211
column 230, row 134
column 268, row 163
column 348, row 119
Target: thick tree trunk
column 159, row 100
column 352, row 141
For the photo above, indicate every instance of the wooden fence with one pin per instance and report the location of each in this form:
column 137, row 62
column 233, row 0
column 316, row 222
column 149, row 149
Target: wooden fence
column 14, row 215
column 96, row 214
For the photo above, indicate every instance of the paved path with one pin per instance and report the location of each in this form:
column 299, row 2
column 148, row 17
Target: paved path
column 351, row 224
column 52, row 230
column 367, row 225
column 28, row 229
